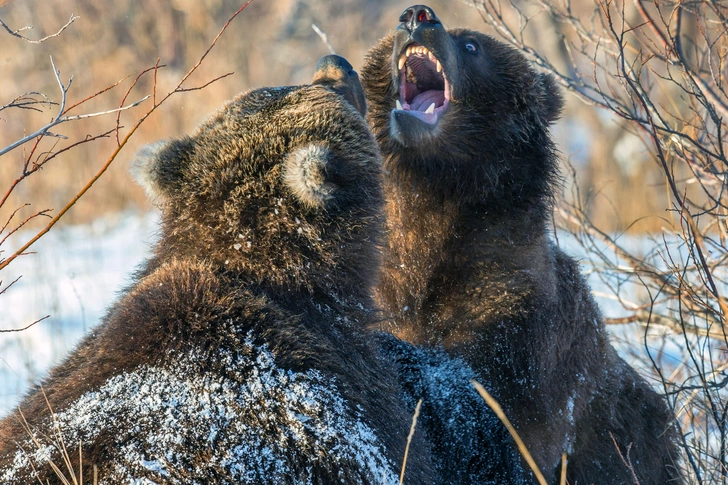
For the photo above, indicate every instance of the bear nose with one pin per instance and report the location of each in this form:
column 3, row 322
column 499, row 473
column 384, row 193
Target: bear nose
column 418, row 15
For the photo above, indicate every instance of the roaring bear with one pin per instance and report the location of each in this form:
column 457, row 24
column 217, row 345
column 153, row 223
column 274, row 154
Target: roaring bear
column 239, row 354
column 470, row 170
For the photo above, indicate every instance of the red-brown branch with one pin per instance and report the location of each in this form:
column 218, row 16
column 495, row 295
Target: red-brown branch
column 13, row 330
column 122, row 143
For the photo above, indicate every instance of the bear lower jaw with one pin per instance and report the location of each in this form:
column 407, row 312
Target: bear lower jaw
column 430, row 116
column 411, row 129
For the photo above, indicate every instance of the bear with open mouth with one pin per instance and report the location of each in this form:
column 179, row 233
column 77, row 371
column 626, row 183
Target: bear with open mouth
column 470, row 171
column 239, row 353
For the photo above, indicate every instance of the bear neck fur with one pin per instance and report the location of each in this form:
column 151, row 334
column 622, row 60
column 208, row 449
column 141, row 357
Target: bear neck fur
column 429, row 248
column 317, row 294
column 337, row 273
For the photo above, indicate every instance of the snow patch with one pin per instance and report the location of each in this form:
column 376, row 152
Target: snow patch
column 252, row 423
column 74, row 276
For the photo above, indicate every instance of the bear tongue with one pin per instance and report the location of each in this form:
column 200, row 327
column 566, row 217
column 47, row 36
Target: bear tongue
column 423, row 100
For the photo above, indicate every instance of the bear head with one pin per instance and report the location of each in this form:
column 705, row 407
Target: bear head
column 281, row 185
column 461, row 113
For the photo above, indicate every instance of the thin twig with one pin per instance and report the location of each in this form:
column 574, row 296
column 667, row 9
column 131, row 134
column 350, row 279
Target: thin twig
column 409, row 440
column 493, row 404
column 627, row 461
column 3, row 290
column 13, row 330
column 324, row 38
column 15, row 33
column 29, row 102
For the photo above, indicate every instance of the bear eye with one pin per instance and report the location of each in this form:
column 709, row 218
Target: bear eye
column 470, row 47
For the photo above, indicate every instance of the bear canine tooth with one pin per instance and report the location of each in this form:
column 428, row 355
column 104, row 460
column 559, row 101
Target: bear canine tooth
column 402, row 60
column 399, row 105
column 408, row 51
column 431, row 109
column 439, row 66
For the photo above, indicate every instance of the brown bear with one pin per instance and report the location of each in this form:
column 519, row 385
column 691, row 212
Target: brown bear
column 239, row 354
column 463, row 124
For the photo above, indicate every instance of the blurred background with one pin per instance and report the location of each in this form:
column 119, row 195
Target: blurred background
column 271, row 43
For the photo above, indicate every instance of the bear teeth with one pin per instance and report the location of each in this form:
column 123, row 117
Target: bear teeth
column 417, row 50
column 424, row 91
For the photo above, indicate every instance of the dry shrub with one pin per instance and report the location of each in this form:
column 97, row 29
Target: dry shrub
column 656, row 70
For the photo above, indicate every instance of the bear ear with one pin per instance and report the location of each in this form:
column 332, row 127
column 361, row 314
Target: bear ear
column 551, row 102
column 158, row 167
column 336, row 73
column 305, row 175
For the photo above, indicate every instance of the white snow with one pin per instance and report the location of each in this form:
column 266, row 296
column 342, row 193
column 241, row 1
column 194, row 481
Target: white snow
column 243, row 425
column 74, row 277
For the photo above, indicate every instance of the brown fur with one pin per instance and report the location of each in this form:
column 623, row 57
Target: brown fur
column 469, row 264
column 243, row 255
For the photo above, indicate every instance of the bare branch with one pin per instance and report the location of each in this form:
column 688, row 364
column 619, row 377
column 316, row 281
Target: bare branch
column 59, row 119
column 16, row 33
column 197, row 88
column 324, row 38
column 15, row 330
column 122, row 142
column 29, row 101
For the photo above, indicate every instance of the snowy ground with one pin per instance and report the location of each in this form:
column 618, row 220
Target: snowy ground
column 76, row 274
